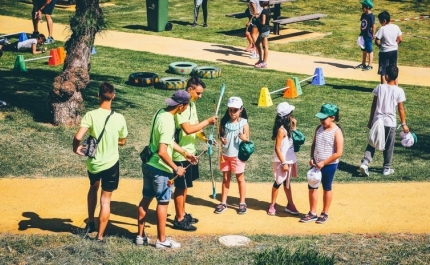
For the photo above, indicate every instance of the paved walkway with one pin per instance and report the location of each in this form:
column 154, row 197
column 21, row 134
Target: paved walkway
column 281, row 61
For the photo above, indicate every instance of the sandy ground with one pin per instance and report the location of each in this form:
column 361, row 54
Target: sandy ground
column 288, row 62
column 50, row 205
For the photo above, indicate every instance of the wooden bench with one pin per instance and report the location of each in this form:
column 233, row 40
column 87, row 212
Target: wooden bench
column 284, row 21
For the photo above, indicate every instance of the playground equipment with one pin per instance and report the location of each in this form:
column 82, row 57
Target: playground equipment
column 292, row 88
column 56, row 57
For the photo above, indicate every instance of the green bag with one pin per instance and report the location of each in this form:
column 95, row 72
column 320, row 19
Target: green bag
column 245, row 150
column 298, row 139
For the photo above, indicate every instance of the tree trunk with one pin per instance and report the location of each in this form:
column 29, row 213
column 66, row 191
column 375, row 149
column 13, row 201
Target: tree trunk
column 65, row 97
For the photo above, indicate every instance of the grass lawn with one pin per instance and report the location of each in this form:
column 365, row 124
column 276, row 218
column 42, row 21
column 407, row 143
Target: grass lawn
column 31, row 147
column 341, row 26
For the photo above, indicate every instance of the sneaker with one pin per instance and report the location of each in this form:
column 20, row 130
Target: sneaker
column 49, row 40
column 261, row 65
column 220, row 208
column 183, row 225
column 388, row 171
column 291, row 209
column 367, row 68
column 254, row 55
column 308, row 218
column 258, row 62
column 35, row 34
column 242, row 209
column 364, row 169
column 191, row 219
column 322, row 218
column 360, row 66
column 90, row 227
column 142, row 241
column 205, row 25
column 168, row 243
column 4, row 41
column 272, row 210
column 194, row 25
column 100, row 241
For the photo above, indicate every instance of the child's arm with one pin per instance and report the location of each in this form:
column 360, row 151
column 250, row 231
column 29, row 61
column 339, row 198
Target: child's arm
column 35, row 51
column 372, row 111
column 311, row 160
column 373, row 31
column 399, row 39
column 278, row 141
column 402, row 115
column 245, row 135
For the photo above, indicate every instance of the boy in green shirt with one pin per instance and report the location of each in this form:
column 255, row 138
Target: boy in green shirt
column 160, row 168
column 104, row 167
column 187, row 123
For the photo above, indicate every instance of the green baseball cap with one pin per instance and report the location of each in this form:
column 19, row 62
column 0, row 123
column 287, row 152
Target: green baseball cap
column 245, row 150
column 327, row 110
column 367, row 3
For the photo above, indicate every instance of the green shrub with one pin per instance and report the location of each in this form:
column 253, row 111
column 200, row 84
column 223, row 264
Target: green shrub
column 283, row 255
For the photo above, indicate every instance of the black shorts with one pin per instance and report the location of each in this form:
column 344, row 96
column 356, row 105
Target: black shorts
column 385, row 59
column 109, row 177
column 11, row 47
column 47, row 10
column 192, row 173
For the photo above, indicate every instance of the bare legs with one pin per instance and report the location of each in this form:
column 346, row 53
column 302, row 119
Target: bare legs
column 105, row 199
column 313, row 200
column 226, row 186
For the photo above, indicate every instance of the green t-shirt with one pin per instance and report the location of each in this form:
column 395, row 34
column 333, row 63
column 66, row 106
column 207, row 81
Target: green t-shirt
column 163, row 132
column 186, row 141
column 107, row 150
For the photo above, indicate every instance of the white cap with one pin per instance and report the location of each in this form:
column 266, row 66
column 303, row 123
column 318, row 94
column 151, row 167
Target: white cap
column 408, row 139
column 314, row 177
column 283, row 109
column 235, row 102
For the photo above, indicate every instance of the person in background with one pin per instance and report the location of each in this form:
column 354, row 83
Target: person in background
column 40, row 8
column 32, row 45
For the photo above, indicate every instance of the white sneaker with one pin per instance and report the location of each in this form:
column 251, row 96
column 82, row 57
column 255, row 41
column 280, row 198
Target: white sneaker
column 142, row 241
column 388, row 171
column 364, row 170
column 168, row 243
column 254, row 55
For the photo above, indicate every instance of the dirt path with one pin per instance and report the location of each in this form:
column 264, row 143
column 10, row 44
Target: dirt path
column 196, row 50
column 59, row 205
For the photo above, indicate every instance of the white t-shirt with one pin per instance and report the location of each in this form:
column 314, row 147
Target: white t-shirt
column 257, row 5
column 388, row 99
column 26, row 44
column 287, row 150
column 388, row 35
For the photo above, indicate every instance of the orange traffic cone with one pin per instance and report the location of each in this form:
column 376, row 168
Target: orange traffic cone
column 54, row 60
column 291, row 91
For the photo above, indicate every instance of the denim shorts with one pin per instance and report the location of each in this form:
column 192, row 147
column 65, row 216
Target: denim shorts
column 155, row 183
column 264, row 34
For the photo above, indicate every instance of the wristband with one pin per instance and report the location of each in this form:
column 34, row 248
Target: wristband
column 403, row 124
column 175, row 171
column 284, row 163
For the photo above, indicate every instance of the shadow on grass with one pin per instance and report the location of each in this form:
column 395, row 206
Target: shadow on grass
column 338, row 65
column 353, row 88
column 30, row 90
column 234, row 62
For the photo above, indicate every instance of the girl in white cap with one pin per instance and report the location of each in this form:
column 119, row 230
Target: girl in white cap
column 284, row 159
column 233, row 130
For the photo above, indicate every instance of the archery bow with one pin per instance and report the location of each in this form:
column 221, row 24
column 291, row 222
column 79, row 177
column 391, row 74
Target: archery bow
column 210, row 142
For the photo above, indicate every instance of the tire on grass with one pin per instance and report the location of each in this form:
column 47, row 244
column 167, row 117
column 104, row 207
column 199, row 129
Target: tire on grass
column 208, row 72
column 143, row 79
column 172, row 83
column 182, row 68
